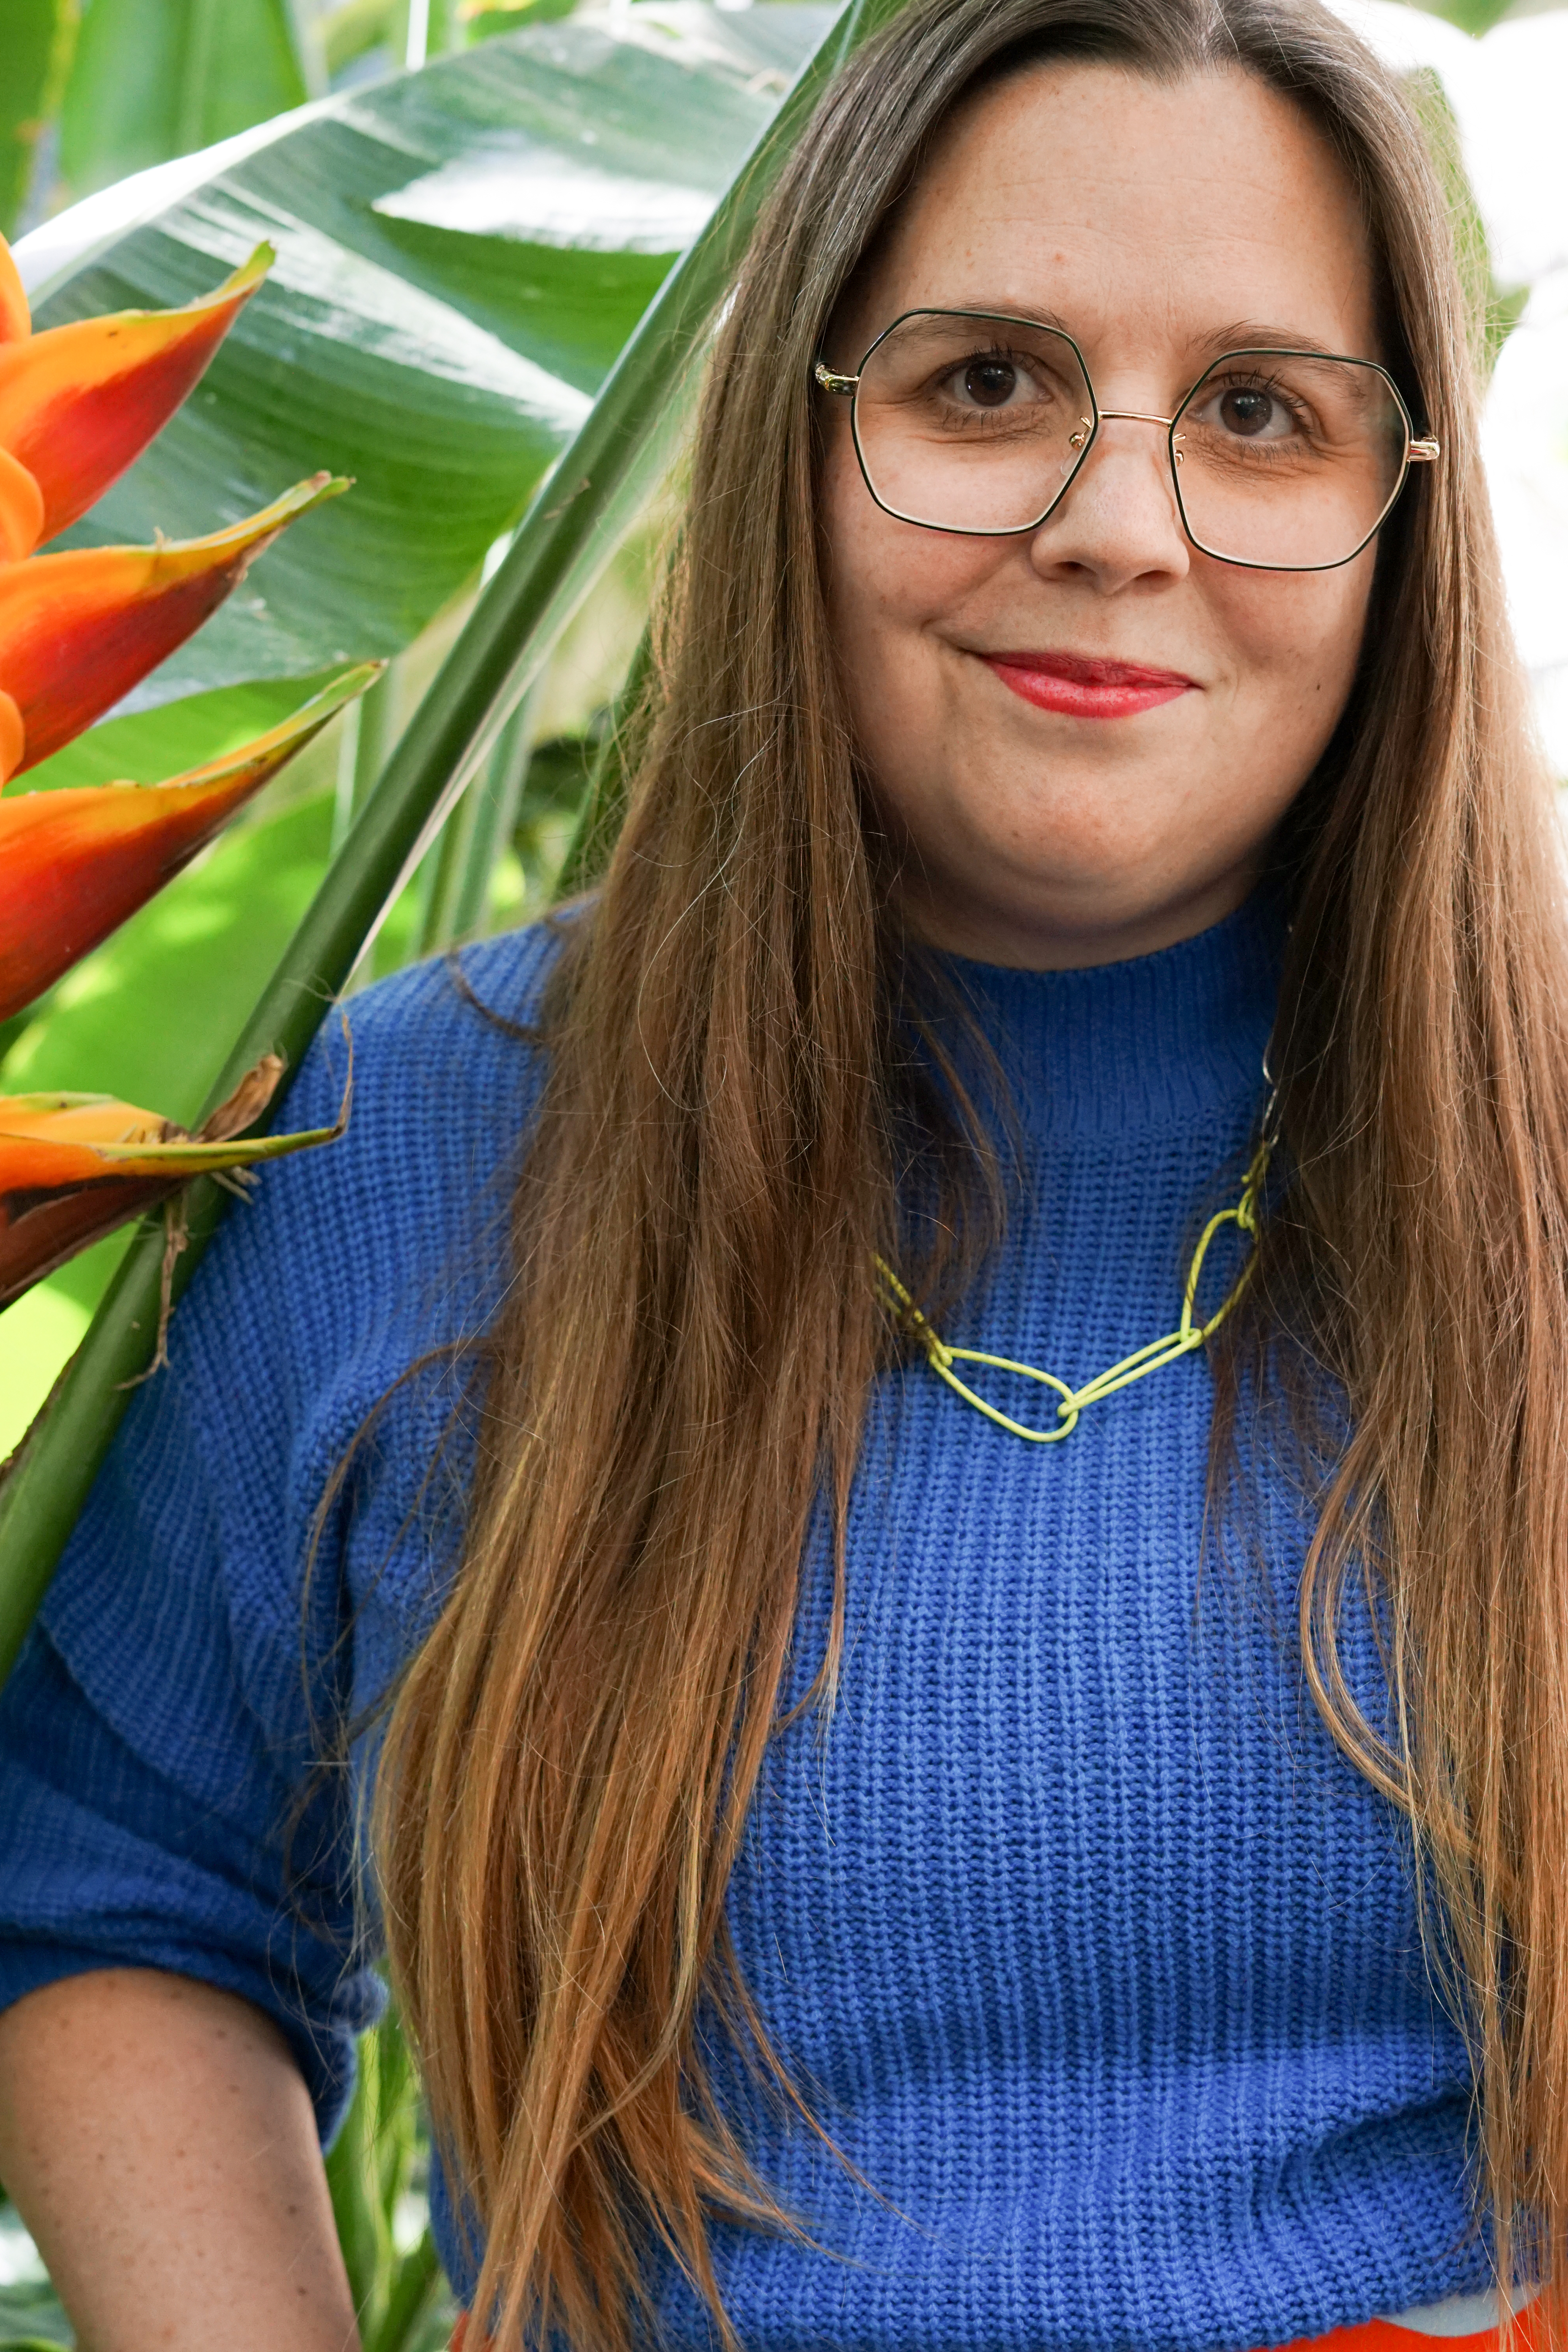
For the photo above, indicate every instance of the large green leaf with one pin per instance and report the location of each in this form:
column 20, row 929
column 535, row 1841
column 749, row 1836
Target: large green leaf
column 153, row 79
column 462, row 252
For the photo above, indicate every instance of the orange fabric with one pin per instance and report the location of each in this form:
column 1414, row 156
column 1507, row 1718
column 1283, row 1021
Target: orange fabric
column 1382, row 2336
column 1372, row 2335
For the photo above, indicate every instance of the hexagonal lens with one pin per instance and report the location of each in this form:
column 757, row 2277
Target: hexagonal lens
column 969, row 422
column 1285, row 459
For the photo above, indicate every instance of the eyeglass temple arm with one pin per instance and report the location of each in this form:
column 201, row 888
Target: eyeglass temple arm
column 831, row 383
column 1425, row 453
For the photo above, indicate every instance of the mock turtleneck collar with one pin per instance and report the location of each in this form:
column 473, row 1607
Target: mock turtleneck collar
column 1165, row 1040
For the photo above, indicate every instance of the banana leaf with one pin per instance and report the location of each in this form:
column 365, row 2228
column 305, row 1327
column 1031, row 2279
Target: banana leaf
column 558, row 552
column 461, row 255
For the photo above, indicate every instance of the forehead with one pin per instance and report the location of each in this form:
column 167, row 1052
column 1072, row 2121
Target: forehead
column 1143, row 215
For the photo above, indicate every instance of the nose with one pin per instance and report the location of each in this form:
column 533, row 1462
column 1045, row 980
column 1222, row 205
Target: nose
column 1119, row 520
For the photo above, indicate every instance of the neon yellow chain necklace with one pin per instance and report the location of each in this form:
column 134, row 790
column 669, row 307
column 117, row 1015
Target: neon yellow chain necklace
column 1188, row 1333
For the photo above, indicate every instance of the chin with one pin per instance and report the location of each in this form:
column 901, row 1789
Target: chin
column 1085, row 865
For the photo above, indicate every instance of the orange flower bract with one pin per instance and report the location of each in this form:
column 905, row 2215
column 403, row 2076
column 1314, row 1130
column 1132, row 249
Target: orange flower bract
column 74, row 864
column 80, row 630
column 16, row 318
column 77, row 629
column 73, row 1167
column 78, row 403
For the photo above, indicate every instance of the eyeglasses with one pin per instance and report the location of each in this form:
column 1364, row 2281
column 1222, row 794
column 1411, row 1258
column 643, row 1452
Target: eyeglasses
column 975, row 422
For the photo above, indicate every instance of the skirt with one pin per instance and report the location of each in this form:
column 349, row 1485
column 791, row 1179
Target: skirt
column 1410, row 2333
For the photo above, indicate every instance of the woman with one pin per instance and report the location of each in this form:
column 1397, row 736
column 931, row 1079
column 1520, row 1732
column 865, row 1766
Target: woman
column 858, row 1875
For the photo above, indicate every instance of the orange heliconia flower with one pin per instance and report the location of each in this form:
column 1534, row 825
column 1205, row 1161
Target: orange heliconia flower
column 74, row 863
column 79, row 630
column 73, row 1167
column 15, row 317
column 21, row 509
column 78, row 403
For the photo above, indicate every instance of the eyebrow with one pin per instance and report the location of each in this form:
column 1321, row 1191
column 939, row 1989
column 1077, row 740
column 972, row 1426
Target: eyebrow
column 1241, row 334
column 1260, row 334
column 984, row 310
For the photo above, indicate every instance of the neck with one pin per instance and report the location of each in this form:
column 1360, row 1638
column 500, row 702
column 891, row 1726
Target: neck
column 1168, row 1042
column 1072, row 928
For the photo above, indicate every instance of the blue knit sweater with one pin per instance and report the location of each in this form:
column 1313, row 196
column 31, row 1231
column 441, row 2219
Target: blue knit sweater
column 1099, row 1962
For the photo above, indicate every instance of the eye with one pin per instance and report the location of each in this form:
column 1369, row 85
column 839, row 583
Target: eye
column 986, row 383
column 1252, row 412
column 990, row 383
column 1247, row 412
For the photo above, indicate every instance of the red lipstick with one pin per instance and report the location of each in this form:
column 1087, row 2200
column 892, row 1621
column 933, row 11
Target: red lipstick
column 1080, row 689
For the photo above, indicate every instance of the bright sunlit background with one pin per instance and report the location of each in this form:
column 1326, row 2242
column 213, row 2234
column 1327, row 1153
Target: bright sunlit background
column 1509, row 92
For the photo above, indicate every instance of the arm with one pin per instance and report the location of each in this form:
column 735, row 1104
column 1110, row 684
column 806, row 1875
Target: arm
column 159, row 2140
column 164, row 1823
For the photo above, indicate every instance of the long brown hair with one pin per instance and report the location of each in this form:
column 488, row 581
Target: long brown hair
column 681, row 1372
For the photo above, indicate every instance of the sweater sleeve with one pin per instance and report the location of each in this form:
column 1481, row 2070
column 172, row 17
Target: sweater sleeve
column 171, row 1792
column 157, row 1805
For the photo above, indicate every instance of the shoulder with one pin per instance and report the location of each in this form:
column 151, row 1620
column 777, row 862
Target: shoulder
column 453, row 1035
column 441, row 1069
column 357, row 1260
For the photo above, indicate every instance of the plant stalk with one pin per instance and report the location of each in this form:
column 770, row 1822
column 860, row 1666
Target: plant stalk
column 412, row 2290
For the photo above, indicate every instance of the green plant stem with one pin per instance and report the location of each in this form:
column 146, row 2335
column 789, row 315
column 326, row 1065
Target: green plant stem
column 412, row 2291
column 495, row 804
column 456, row 875
column 367, row 737
column 361, row 2227
column 577, row 520
column 191, row 127
column 441, row 878
column 604, row 802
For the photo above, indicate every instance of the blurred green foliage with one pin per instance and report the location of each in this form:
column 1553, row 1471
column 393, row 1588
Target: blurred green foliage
column 147, row 83
column 37, row 39
column 376, row 2171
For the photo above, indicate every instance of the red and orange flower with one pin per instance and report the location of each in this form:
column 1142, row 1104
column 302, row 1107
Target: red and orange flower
column 77, row 629
column 73, row 1167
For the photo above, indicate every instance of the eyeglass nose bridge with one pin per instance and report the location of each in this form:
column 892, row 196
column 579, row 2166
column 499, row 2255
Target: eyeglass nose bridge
column 1124, row 416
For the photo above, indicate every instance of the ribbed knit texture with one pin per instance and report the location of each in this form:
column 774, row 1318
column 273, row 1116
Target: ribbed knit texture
column 1093, row 1956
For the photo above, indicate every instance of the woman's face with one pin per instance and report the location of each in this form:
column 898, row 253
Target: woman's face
column 1161, row 224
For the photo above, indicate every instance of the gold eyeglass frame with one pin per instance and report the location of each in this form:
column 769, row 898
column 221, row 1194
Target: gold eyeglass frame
column 1419, row 450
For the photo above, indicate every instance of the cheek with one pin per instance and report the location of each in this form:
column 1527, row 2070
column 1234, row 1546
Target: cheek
column 1296, row 636
column 886, row 583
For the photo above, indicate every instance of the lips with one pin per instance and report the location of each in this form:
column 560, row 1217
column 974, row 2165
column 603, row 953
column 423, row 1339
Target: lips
column 1080, row 688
